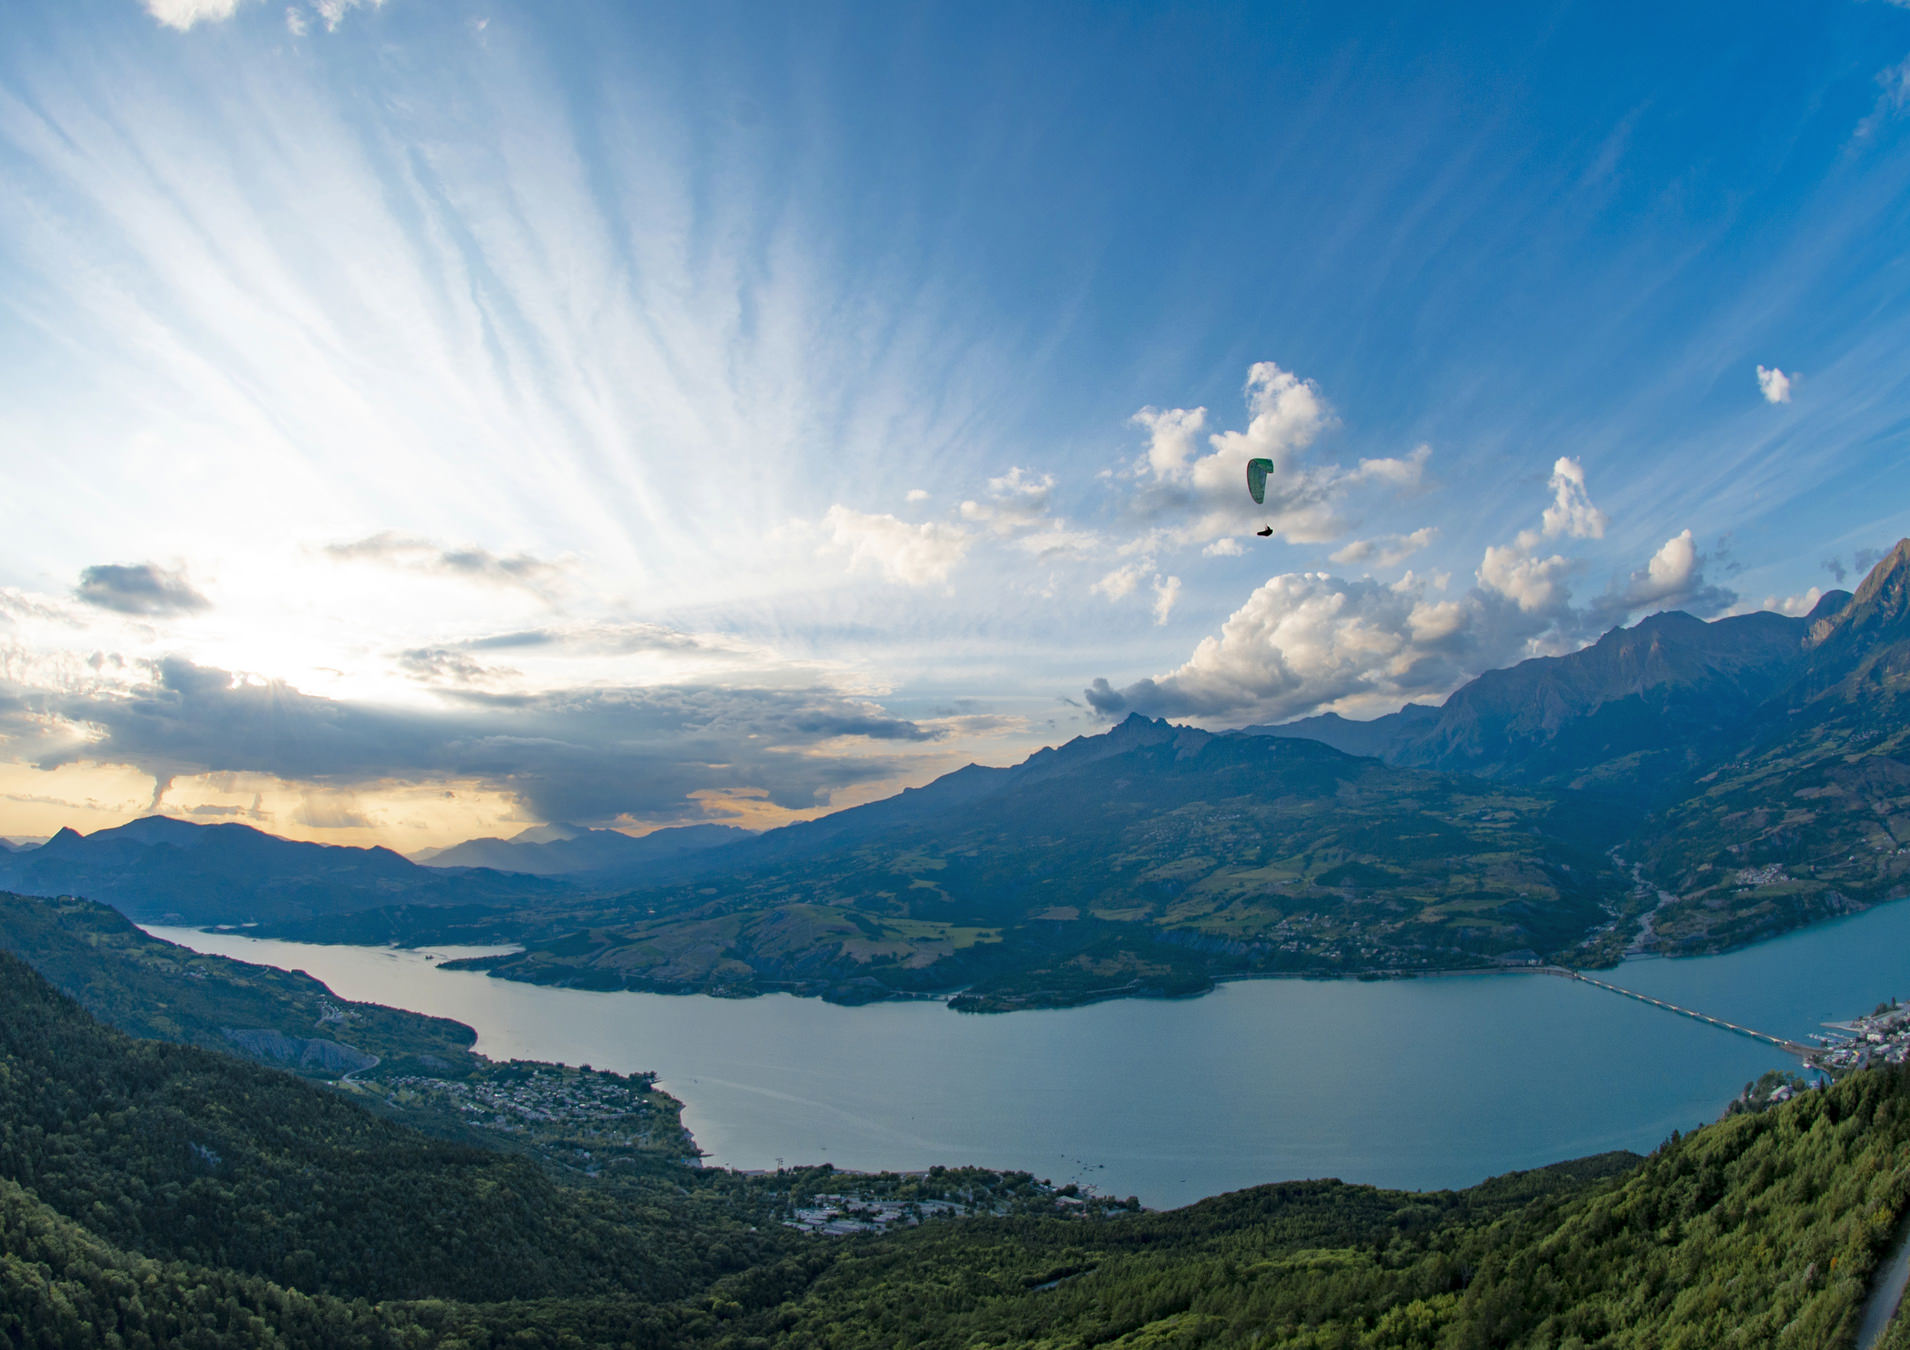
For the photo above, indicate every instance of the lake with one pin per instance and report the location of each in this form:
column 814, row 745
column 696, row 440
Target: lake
column 1413, row 1083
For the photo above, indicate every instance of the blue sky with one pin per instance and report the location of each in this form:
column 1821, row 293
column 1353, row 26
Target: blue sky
column 426, row 418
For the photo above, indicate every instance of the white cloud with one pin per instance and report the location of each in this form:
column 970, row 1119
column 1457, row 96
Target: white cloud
column 1019, row 511
column 1516, row 572
column 1121, row 582
column 1388, row 551
column 1228, row 547
column 1172, row 433
column 917, row 495
column 183, row 14
column 1017, row 500
column 1165, row 594
column 1672, row 579
column 1571, row 512
column 914, row 555
column 1308, row 642
column 1774, row 384
column 1202, row 497
column 1797, row 606
column 1301, row 641
column 334, row 11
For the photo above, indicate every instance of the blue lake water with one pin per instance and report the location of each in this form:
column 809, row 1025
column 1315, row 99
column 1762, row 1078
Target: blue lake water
column 1415, row 1083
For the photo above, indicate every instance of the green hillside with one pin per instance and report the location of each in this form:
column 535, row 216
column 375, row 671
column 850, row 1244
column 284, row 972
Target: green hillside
column 1153, row 860
column 153, row 1194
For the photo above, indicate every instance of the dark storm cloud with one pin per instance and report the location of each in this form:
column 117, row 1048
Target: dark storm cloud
column 142, row 588
column 585, row 755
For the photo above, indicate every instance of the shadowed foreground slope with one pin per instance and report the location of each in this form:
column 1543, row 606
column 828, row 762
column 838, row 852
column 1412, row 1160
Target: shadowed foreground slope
column 154, row 1194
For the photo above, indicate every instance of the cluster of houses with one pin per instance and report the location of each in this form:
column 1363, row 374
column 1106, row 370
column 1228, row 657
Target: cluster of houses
column 540, row 1096
column 1881, row 1038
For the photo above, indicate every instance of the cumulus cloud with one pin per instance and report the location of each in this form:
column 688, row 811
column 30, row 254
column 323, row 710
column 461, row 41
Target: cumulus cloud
column 586, row 755
column 412, row 554
column 917, row 495
column 1197, row 495
column 1309, row 641
column 1301, row 641
column 914, row 555
column 1571, row 512
column 1672, row 579
column 143, row 589
column 183, row 14
column 1774, row 384
column 1797, row 606
column 1515, row 571
column 1519, row 571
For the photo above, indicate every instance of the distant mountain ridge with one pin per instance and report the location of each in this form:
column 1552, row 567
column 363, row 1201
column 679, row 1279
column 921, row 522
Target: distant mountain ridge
column 570, row 850
column 161, row 869
column 1642, row 703
column 1145, row 860
column 1754, row 769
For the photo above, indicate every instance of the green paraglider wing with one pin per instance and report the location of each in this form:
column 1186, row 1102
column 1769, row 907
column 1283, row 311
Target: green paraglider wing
column 1257, row 471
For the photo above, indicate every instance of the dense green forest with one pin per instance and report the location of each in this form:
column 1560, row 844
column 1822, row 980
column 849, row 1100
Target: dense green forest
column 156, row 1194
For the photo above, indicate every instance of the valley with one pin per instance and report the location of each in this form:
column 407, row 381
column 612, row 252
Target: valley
column 1677, row 787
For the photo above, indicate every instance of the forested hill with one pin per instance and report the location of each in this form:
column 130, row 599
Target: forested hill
column 154, row 1195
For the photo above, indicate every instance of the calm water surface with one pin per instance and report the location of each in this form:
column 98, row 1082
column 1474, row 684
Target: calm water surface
column 1414, row 1083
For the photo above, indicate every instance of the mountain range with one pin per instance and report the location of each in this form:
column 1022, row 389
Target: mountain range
column 157, row 869
column 590, row 856
column 1679, row 785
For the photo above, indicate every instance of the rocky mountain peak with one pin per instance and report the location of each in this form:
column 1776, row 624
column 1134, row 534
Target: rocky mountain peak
column 1880, row 610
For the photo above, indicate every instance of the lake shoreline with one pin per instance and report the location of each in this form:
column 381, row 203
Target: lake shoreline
column 1418, row 1084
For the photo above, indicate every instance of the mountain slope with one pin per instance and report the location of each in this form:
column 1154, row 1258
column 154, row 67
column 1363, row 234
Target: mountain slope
column 1632, row 713
column 1145, row 860
column 1809, row 815
column 602, row 856
column 185, row 1155
column 157, row 868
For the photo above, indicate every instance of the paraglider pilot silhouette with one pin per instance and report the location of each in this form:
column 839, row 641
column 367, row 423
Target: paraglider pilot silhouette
column 1257, row 471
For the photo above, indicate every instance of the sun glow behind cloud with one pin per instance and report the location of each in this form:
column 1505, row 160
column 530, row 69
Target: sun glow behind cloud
column 564, row 374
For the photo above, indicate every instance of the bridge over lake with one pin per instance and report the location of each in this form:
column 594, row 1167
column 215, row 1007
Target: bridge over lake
column 1797, row 1048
